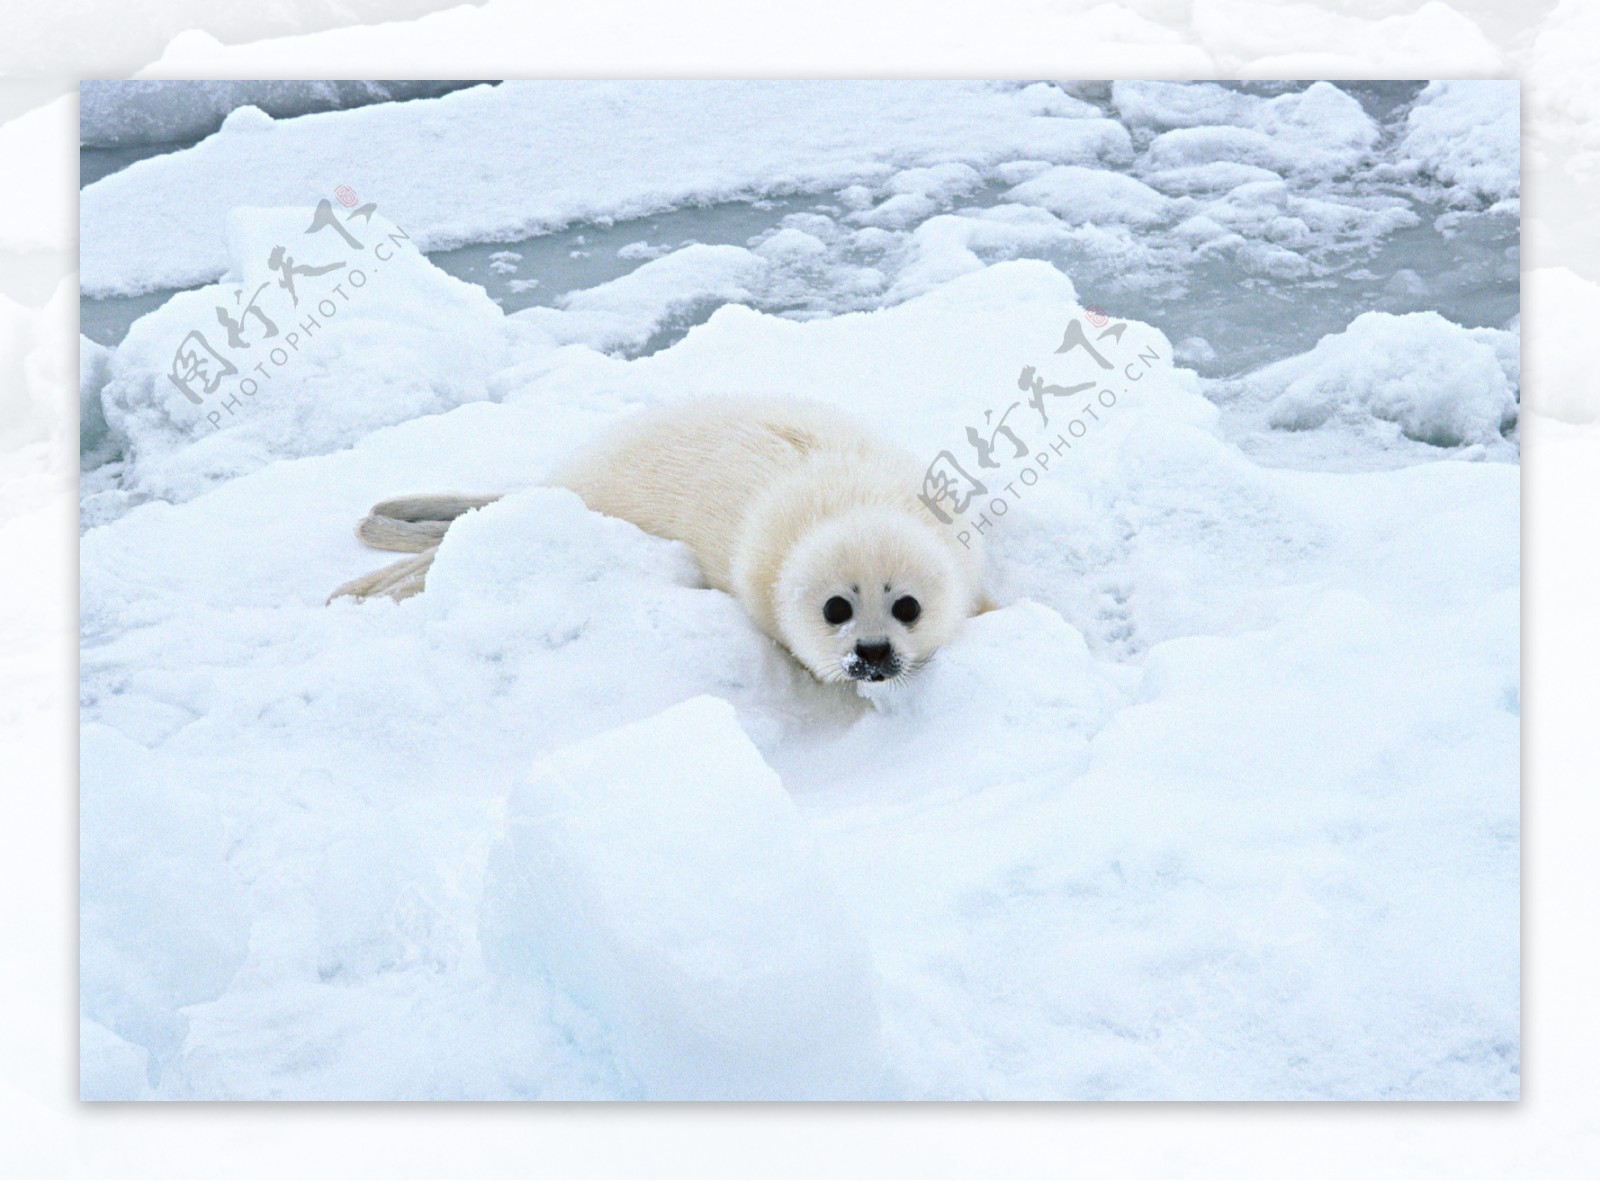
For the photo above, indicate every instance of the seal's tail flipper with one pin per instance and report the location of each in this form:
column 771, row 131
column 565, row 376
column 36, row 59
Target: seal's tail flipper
column 408, row 525
column 412, row 524
column 398, row 580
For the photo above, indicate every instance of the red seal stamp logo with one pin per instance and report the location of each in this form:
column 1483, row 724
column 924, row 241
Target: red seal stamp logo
column 347, row 196
column 1096, row 316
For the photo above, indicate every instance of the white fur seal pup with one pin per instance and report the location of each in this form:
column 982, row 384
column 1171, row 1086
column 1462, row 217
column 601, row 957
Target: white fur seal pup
column 815, row 527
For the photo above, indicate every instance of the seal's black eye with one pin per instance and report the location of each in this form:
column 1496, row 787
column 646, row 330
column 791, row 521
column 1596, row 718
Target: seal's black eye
column 836, row 610
column 906, row 609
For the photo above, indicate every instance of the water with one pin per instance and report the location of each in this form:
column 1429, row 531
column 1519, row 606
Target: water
column 96, row 163
column 106, row 321
column 1468, row 274
column 1225, row 318
column 584, row 255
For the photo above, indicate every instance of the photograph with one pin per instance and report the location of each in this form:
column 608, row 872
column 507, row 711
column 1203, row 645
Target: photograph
column 800, row 589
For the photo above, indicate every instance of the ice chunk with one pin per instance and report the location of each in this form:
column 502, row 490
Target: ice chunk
column 946, row 246
column 941, row 182
column 626, row 312
column 1320, row 131
column 164, row 922
column 1468, row 134
column 660, row 874
column 915, row 193
column 1193, row 146
column 1044, row 98
column 504, row 262
column 1443, row 384
column 326, row 356
column 1219, row 176
column 1076, row 194
column 1179, row 104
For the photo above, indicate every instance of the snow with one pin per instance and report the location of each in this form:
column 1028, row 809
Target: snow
column 1468, row 134
column 660, row 872
column 163, row 919
column 911, row 195
column 1440, row 383
column 1154, row 104
column 159, row 224
column 1092, row 195
column 131, row 113
column 1321, row 206
column 1222, row 802
column 627, row 312
column 1320, row 130
column 385, row 337
column 948, row 245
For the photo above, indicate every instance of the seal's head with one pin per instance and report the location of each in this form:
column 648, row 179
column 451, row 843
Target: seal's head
column 869, row 596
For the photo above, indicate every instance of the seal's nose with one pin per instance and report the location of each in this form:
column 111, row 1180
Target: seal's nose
column 873, row 653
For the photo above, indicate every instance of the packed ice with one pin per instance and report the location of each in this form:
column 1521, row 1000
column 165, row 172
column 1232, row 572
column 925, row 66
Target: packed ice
column 123, row 113
column 1221, row 803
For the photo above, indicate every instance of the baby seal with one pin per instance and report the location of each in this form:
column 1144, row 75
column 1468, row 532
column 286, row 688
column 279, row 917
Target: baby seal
column 810, row 522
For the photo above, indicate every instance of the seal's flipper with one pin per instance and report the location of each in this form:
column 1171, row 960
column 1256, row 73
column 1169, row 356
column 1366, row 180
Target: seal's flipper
column 398, row 580
column 411, row 524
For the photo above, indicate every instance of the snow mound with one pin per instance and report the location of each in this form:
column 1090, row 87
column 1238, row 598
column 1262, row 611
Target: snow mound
column 948, row 245
column 914, row 193
column 1165, row 105
column 1440, row 383
column 1319, row 131
column 535, row 579
column 1076, row 194
column 660, row 874
column 1468, row 135
column 1021, row 668
column 381, row 337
